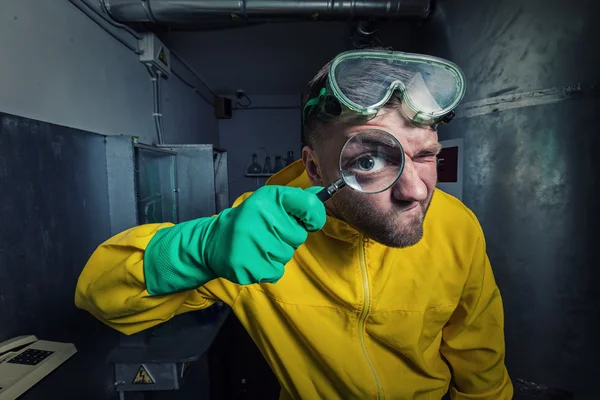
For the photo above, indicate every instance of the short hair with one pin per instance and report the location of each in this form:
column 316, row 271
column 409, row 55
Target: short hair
column 314, row 128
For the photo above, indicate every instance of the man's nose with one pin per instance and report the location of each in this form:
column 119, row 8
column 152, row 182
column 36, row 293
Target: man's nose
column 410, row 187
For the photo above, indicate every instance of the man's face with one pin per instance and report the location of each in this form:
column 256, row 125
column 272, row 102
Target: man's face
column 393, row 217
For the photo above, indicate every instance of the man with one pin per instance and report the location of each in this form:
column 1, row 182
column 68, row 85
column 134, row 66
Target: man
column 385, row 295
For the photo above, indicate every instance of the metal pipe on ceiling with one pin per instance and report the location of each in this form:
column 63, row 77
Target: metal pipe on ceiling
column 190, row 11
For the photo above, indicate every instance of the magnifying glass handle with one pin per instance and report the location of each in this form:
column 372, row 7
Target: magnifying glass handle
column 330, row 190
column 324, row 195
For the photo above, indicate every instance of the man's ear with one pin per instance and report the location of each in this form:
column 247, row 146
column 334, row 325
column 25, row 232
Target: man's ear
column 311, row 164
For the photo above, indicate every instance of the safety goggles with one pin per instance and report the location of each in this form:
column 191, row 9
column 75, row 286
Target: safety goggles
column 361, row 82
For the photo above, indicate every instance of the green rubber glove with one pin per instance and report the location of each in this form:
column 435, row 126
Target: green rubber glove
column 247, row 244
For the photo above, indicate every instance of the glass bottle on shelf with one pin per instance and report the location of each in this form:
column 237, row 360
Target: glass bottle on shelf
column 267, row 167
column 254, row 168
column 290, row 157
column 278, row 164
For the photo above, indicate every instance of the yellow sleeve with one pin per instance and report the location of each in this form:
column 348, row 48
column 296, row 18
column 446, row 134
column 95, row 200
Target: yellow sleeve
column 473, row 339
column 112, row 288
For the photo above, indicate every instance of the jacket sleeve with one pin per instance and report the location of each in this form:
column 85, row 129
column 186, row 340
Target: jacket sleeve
column 112, row 288
column 473, row 339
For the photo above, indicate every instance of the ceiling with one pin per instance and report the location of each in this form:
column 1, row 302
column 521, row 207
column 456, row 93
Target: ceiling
column 274, row 58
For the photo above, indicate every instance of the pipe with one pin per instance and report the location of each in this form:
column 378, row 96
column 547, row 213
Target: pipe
column 157, row 112
column 366, row 28
column 94, row 16
column 187, row 11
column 365, row 35
column 194, row 88
column 107, row 18
column 189, row 68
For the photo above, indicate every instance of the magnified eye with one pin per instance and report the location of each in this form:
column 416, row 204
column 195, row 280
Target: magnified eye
column 370, row 163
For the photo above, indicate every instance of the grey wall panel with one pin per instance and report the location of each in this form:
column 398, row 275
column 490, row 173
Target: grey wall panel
column 531, row 175
column 121, row 183
column 53, row 213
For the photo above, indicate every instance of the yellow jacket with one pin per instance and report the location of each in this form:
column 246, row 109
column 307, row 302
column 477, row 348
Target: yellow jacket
column 351, row 318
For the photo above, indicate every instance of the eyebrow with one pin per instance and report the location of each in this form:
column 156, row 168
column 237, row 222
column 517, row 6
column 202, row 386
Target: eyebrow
column 430, row 149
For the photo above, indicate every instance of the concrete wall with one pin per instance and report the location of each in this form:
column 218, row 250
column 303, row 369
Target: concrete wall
column 261, row 131
column 531, row 176
column 274, row 58
column 60, row 67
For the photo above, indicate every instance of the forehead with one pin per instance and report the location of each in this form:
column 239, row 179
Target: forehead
column 410, row 136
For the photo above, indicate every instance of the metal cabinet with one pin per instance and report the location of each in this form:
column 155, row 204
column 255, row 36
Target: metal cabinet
column 155, row 184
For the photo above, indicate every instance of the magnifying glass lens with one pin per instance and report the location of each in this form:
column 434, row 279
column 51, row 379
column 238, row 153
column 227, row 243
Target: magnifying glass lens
column 371, row 161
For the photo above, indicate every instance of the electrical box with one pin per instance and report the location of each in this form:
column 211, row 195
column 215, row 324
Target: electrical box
column 223, row 108
column 155, row 53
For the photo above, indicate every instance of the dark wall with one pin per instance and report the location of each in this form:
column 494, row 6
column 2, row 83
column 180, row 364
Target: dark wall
column 53, row 213
column 531, row 175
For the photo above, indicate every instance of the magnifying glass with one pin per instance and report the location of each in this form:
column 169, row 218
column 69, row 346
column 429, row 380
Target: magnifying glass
column 370, row 162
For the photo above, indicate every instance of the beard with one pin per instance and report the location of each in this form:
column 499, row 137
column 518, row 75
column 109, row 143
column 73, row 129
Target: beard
column 392, row 228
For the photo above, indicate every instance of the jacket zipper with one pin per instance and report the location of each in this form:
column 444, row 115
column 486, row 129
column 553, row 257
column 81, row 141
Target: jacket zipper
column 364, row 313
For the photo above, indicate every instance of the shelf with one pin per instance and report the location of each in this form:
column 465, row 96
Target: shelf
column 258, row 175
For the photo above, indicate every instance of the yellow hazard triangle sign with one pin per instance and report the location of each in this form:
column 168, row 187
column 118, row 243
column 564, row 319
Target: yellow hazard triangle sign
column 142, row 376
column 163, row 57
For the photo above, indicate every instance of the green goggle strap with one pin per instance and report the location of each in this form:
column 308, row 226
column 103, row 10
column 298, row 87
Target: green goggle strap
column 310, row 105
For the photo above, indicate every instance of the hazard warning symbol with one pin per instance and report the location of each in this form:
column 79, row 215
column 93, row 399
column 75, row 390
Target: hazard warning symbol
column 142, row 377
column 163, row 57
